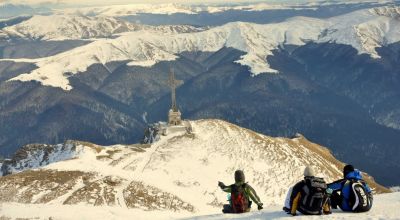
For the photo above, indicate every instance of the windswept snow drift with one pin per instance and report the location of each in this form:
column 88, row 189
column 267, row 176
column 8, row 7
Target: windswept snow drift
column 176, row 176
column 364, row 30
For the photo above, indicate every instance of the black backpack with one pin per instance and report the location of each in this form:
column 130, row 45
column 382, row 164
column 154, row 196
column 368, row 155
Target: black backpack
column 359, row 199
column 313, row 196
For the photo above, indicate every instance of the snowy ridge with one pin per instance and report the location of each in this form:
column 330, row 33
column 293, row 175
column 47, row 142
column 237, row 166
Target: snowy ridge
column 170, row 8
column 364, row 30
column 393, row 12
column 35, row 155
column 145, row 48
column 174, row 8
column 8, row 10
column 59, row 27
column 75, row 27
column 177, row 175
column 395, row 188
column 132, row 9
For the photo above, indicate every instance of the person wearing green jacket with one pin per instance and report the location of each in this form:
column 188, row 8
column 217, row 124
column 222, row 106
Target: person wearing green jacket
column 241, row 193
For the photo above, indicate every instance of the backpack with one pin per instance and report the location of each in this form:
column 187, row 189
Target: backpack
column 313, row 196
column 359, row 199
column 240, row 202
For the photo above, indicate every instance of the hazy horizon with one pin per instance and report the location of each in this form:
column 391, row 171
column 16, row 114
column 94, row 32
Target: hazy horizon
column 116, row 2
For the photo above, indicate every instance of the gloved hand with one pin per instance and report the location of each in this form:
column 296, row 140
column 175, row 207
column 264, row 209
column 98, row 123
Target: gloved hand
column 221, row 185
column 260, row 206
column 329, row 191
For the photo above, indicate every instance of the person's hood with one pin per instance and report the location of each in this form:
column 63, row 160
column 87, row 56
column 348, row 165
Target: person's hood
column 356, row 174
column 239, row 183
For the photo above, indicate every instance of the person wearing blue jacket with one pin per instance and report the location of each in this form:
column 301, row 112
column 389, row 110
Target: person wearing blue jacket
column 352, row 193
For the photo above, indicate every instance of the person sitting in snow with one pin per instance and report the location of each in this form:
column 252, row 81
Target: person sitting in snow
column 352, row 193
column 241, row 193
column 308, row 196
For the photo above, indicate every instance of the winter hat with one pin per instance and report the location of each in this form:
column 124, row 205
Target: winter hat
column 347, row 169
column 239, row 176
column 308, row 171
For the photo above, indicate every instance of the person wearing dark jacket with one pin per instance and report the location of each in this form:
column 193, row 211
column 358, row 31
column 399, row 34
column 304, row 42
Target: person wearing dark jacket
column 308, row 196
column 343, row 192
column 241, row 193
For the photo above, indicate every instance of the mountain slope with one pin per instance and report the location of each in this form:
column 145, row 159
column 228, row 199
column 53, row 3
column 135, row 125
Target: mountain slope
column 176, row 174
column 330, row 92
column 323, row 104
column 364, row 30
column 79, row 27
column 8, row 10
column 213, row 86
column 174, row 8
column 58, row 27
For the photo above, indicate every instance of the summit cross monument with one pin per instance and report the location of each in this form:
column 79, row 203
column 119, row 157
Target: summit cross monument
column 174, row 115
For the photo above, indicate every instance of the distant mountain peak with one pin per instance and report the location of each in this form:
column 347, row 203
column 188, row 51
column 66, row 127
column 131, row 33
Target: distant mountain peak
column 81, row 27
column 9, row 10
column 362, row 30
column 62, row 27
column 389, row 11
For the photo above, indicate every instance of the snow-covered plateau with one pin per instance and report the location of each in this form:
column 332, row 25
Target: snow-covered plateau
column 365, row 30
column 175, row 177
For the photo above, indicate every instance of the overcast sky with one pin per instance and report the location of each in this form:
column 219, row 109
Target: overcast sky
column 111, row 2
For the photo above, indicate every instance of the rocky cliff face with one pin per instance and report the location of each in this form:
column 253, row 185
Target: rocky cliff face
column 38, row 155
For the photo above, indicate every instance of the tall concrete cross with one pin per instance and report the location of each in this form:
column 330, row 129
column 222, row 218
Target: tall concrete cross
column 173, row 83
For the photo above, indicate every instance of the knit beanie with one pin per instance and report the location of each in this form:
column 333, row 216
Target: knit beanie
column 308, row 171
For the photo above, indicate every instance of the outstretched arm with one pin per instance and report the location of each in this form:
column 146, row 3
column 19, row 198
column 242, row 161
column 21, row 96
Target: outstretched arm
column 336, row 186
column 225, row 188
column 253, row 195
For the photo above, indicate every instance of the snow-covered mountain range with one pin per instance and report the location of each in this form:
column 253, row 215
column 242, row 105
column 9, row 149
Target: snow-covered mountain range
column 8, row 10
column 174, row 8
column 174, row 177
column 77, row 27
column 364, row 30
column 68, row 27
